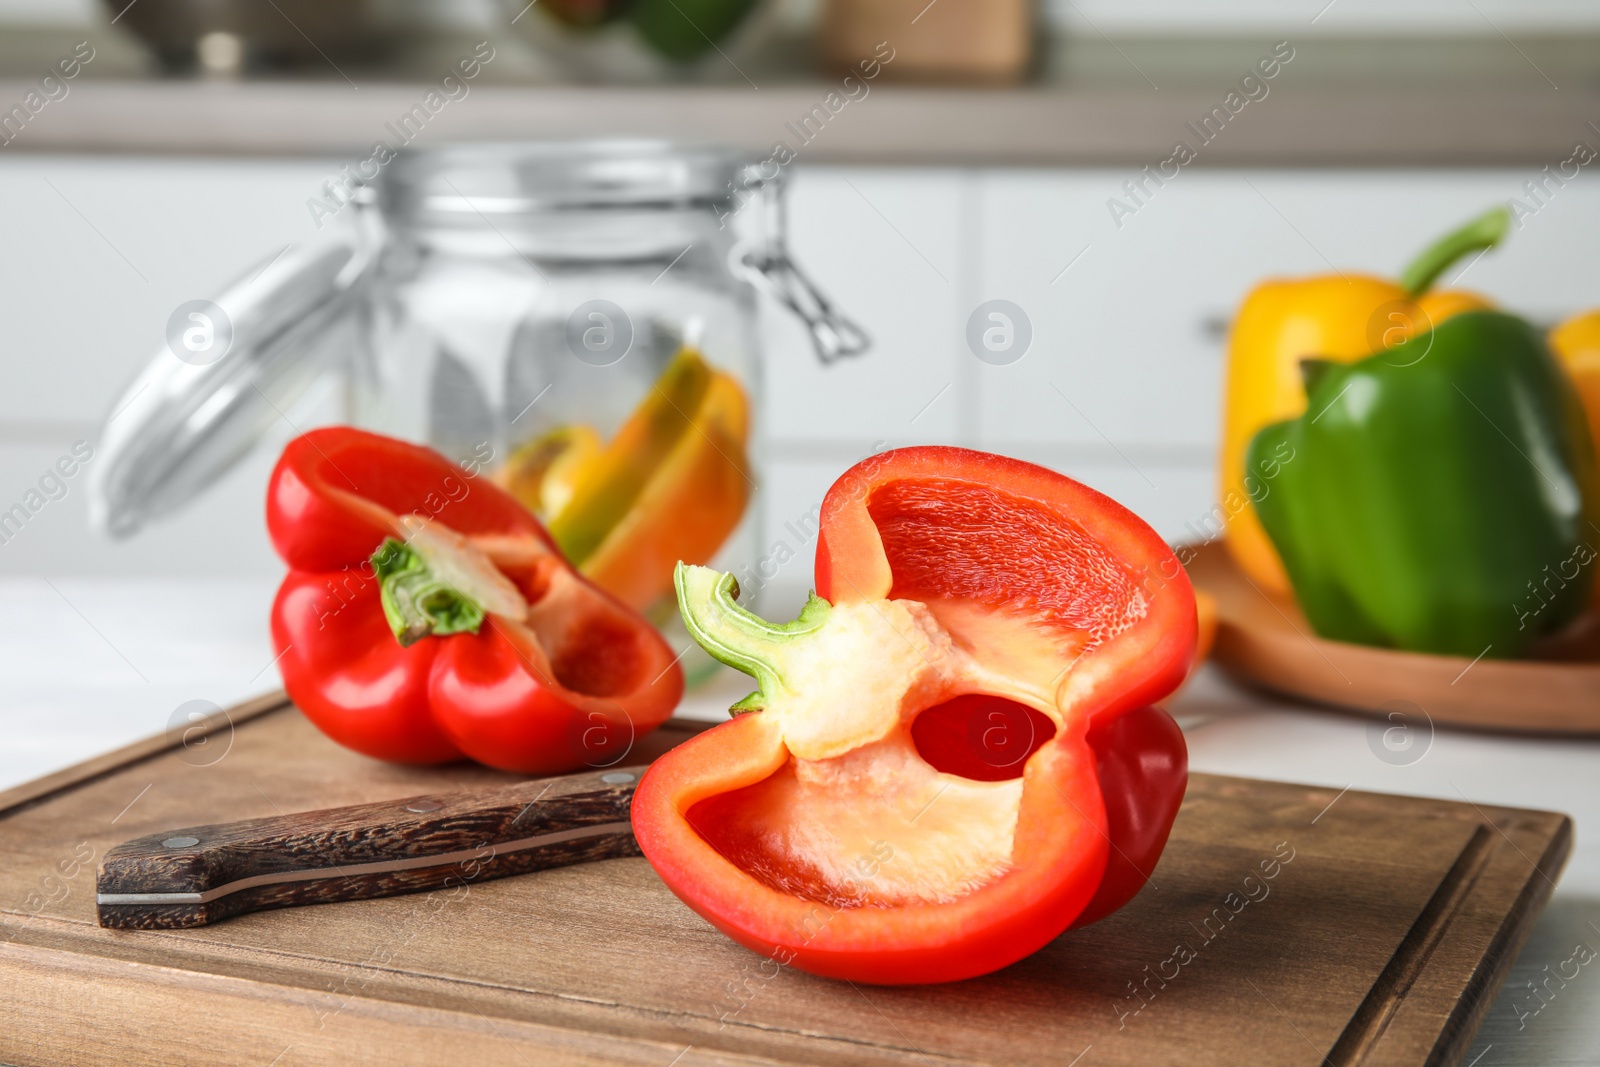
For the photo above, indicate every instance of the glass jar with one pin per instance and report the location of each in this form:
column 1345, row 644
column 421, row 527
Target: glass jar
column 525, row 288
column 555, row 315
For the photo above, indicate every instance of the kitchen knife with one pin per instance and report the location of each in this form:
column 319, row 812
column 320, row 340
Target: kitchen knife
column 201, row 875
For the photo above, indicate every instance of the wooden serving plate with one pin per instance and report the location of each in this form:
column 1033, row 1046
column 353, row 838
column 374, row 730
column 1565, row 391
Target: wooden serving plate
column 1266, row 640
column 1321, row 927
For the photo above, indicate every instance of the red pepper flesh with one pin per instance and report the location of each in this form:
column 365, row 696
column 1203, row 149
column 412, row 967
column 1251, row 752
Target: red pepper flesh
column 951, row 757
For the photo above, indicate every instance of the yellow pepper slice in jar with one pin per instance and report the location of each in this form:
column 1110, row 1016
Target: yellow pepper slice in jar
column 672, row 485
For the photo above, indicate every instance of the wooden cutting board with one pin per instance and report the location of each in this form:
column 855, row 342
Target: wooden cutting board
column 1285, row 925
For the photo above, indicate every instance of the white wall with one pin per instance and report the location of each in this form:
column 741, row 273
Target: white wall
column 1120, row 387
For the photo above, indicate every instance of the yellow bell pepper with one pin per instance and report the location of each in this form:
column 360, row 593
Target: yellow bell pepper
column 1576, row 343
column 1332, row 317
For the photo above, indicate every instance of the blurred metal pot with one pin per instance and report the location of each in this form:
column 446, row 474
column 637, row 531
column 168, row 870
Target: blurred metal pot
column 231, row 36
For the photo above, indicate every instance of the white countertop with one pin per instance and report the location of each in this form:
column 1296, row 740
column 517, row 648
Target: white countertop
column 92, row 664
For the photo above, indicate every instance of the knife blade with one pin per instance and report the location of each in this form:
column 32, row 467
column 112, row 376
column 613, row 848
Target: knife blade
column 203, row 874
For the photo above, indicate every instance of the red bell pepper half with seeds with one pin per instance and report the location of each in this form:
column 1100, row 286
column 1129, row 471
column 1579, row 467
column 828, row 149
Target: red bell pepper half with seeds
column 951, row 756
column 428, row 616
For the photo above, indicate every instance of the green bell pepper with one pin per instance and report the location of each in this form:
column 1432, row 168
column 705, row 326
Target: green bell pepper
column 1441, row 503
column 684, row 30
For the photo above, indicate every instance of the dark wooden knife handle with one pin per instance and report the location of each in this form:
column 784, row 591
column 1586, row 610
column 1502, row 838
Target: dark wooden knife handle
column 200, row 875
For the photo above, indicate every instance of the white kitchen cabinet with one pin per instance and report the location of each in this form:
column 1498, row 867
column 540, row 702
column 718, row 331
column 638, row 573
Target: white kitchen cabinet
column 98, row 252
column 885, row 245
column 1126, row 342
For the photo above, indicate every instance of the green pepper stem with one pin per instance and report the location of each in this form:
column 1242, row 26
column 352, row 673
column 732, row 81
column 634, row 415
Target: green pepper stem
column 735, row 636
column 415, row 601
column 1484, row 232
column 1312, row 371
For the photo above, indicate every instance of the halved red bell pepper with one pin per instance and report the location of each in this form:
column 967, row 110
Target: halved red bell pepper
column 427, row 615
column 951, row 757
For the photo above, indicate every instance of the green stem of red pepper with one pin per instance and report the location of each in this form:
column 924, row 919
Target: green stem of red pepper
column 741, row 639
column 415, row 601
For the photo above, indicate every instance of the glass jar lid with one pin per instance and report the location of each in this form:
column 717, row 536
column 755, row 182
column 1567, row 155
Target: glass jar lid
column 510, row 179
